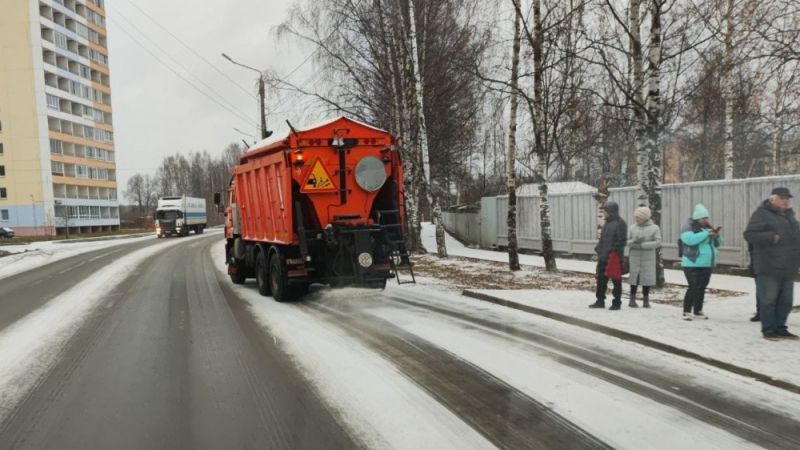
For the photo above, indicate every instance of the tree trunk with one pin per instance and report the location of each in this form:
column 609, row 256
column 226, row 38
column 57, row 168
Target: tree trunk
column 601, row 197
column 433, row 194
column 654, row 107
column 638, row 115
column 538, row 126
column 727, row 90
column 777, row 140
column 511, row 181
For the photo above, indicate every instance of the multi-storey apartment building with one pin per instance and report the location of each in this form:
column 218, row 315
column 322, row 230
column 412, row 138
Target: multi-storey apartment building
column 57, row 169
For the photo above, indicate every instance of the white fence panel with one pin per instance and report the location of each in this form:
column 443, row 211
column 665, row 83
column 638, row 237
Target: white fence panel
column 574, row 220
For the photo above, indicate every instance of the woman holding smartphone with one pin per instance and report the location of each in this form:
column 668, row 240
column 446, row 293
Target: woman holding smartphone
column 700, row 243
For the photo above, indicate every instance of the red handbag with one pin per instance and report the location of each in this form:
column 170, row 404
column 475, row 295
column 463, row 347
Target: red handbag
column 614, row 267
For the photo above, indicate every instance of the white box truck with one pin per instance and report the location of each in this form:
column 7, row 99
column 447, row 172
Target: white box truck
column 180, row 215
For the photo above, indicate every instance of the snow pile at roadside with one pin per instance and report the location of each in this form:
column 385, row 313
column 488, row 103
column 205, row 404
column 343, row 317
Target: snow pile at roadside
column 380, row 406
column 30, row 346
column 29, row 256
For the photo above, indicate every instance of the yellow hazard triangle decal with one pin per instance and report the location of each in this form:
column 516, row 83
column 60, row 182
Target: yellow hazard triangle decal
column 318, row 179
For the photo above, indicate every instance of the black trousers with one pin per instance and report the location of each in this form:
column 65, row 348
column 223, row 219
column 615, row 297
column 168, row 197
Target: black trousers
column 698, row 279
column 645, row 290
column 602, row 285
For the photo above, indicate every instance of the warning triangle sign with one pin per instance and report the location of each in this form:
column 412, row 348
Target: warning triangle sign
column 318, row 179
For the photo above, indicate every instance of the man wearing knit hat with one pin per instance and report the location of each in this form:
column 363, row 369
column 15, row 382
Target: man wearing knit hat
column 774, row 233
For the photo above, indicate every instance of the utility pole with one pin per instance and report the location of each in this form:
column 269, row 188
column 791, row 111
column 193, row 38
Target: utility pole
column 261, row 94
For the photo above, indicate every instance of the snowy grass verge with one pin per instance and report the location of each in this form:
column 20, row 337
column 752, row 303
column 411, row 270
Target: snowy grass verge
column 32, row 345
column 29, row 256
column 745, row 285
column 379, row 405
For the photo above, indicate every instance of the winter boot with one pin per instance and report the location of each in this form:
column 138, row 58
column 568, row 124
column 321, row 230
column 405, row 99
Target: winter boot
column 632, row 303
column 756, row 318
column 646, row 301
column 616, row 305
column 687, row 316
column 598, row 304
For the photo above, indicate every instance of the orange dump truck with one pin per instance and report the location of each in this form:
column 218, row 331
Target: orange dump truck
column 320, row 205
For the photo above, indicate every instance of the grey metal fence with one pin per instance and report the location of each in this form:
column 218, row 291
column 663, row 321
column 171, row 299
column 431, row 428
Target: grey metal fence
column 574, row 216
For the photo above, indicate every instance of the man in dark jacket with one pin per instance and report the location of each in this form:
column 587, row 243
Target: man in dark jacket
column 775, row 235
column 613, row 238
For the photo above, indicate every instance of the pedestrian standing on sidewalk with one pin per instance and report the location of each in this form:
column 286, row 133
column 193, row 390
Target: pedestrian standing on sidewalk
column 613, row 237
column 774, row 233
column 644, row 238
column 700, row 244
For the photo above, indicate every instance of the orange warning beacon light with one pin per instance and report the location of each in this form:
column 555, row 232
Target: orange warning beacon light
column 324, row 204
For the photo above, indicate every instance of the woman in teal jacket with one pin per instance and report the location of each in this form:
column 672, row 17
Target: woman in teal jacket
column 699, row 247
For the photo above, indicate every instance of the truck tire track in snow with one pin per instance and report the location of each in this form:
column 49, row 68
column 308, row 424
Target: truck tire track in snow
column 504, row 415
column 169, row 361
column 746, row 420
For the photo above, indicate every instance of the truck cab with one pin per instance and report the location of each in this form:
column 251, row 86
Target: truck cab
column 180, row 215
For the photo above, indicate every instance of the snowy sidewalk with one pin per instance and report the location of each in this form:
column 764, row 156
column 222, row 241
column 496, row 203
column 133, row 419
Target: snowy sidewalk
column 728, row 336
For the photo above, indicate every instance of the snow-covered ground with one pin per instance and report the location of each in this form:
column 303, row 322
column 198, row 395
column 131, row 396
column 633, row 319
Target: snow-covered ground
column 359, row 383
column 30, row 346
column 727, row 336
column 388, row 410
column 28, row 256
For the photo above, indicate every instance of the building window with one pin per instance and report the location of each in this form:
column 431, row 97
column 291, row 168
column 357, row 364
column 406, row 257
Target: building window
column 57, row 168
column 61, row 40
column 1, row 148
column 4, row 215
column 52, row 102
column 2, row 171
column 3, row 192
column 82, row 171
column 56, row 147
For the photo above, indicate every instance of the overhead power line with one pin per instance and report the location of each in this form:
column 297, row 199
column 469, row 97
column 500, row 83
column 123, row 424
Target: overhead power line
column 188, row 47
column 174, row 61
column 236, row 113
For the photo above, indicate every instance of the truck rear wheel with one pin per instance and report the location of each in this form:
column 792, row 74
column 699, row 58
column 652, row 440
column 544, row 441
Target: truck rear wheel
column 262, row 274
column 279, row 282
column 238, row 277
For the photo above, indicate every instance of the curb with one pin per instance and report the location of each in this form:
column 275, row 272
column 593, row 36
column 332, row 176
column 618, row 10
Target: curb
column 626, row 336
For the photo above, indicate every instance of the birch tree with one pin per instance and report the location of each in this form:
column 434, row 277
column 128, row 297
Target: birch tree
column 422, row 134
column 654, row 109
column 511, row 152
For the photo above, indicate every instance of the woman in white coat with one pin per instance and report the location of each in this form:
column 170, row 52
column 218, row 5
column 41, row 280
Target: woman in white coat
column 644, row 238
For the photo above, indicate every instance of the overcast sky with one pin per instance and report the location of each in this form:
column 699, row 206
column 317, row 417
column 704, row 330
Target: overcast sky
column 156, row 113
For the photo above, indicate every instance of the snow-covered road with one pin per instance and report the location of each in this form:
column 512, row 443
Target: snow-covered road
column 160, row 350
